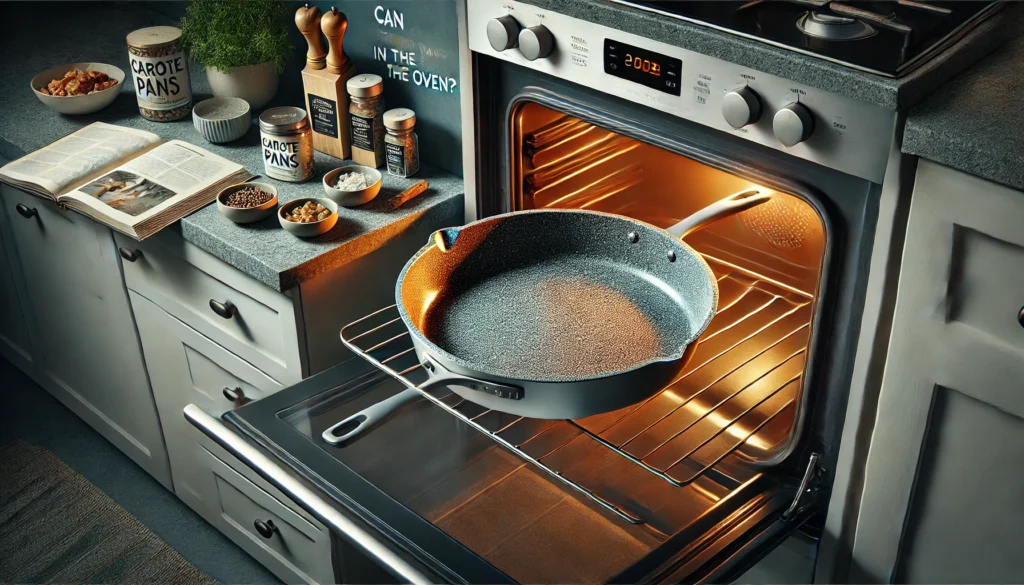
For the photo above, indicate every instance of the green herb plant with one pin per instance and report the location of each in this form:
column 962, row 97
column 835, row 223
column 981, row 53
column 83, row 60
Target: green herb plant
column 222, row 34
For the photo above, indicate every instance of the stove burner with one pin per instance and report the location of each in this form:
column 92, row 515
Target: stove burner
column 833, row 28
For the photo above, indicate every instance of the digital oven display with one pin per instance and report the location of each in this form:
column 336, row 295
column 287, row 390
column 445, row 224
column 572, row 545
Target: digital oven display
column 654, row 70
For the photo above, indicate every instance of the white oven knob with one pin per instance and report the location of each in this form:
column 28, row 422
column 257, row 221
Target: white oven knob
column 741, row 107
column 503, row 33
column 536, row 42
column 793, row 124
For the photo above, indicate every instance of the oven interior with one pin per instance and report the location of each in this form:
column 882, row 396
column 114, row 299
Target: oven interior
column 647, row 491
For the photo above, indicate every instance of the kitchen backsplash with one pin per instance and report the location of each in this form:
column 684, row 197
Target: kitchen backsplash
column 413, row 45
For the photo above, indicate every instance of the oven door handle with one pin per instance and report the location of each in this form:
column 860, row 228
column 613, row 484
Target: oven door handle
column 303, row 496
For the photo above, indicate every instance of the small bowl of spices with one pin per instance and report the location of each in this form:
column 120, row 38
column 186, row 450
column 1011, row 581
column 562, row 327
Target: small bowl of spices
column 352, row 185
column 306, row 218
column 247, row 202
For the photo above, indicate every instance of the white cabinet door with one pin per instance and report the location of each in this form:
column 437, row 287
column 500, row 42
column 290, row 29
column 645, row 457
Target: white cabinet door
column 943, row 496
column 15, row 341
column 88, row 353
column 186, row 367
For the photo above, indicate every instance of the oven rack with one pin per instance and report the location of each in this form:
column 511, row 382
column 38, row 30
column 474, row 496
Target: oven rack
column 680, row 434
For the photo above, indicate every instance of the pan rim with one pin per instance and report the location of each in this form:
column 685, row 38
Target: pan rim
column 677, row 355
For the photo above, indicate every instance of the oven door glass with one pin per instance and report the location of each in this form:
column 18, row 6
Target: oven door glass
column 457, row 499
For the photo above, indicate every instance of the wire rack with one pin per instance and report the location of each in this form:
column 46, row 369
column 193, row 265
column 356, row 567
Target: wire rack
column 736, row 396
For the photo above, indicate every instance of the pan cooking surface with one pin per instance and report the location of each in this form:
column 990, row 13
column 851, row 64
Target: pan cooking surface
column 561, row 318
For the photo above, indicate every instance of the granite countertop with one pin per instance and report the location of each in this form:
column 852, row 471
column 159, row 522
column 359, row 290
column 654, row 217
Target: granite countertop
column 262, row 250
column 893, row 94
column 975, row 123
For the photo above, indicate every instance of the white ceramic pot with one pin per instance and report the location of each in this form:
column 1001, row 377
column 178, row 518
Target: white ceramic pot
column 256, row 84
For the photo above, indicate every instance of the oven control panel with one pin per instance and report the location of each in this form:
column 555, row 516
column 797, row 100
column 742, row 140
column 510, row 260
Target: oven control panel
column 838, row 132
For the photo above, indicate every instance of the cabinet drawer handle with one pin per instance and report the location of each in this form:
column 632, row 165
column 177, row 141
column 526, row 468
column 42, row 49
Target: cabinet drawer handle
column 266, row 529
column 1020, row 317
column 235, row 394
column 129, row 255
column 225, row 309
column 26, row 211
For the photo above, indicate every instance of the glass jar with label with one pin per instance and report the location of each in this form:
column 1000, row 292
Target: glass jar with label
column 287, row 143
column 160, row 73
column 366, row 111
column 401, row 144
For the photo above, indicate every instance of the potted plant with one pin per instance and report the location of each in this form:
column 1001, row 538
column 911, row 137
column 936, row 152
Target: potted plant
column 243, row 44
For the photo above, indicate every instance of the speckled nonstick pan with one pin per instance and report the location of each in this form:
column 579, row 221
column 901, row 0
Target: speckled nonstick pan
column 556, row 313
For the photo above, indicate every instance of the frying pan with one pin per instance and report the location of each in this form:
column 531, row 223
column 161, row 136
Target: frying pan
column 556, row 314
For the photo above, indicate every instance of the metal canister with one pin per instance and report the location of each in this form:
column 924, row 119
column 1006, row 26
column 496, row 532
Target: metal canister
column 287, row 142
column 160, row 71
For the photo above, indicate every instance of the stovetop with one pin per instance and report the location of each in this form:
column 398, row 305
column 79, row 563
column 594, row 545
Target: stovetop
column 889, row 38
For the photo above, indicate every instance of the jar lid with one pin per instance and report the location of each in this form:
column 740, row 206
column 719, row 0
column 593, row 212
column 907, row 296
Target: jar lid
column 365, row 85
column 153, row 36
column 399, row 118
column 283, row 119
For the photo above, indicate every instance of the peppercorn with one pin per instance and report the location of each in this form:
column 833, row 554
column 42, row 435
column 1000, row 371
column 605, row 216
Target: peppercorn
column 247, row 197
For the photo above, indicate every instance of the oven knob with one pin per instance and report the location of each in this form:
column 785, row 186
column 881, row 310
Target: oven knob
column 793, row 124
column 536, row 42
column 503, row 33
column 741, row 107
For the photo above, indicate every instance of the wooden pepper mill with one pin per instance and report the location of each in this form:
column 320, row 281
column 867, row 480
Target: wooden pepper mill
column 324, row 77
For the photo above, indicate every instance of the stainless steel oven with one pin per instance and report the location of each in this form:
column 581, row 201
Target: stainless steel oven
column 710, row 475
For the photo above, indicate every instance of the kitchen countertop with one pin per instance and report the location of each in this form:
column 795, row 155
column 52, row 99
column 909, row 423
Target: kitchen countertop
column 893, row 94
column 262, row 250
column 975, row 123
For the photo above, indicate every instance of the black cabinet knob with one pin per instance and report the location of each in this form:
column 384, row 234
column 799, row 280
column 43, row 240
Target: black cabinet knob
column 1020, row 317
column 26, row 211
column 129, row 255
column 225, row 309
column 235, row 394
column 265, row 529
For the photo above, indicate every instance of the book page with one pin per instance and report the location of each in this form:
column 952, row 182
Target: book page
column 143, row 187
column 75, row 157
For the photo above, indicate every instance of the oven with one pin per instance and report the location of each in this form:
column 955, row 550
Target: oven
column 707, row 477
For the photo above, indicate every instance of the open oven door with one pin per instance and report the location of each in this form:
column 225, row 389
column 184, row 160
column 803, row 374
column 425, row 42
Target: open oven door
column 428, row 497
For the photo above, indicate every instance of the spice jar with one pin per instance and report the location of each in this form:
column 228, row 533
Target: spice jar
column 287, row 142
column 160, row 72
column 366, row 112
column 401, row 144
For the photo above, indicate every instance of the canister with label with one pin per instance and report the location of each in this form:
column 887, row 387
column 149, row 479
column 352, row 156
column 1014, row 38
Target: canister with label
column 401, row 145
column 287, row 143
column 366, row 118
column 160, row 72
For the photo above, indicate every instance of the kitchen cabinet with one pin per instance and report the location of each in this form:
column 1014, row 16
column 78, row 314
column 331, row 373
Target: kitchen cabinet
column 942, row 496
column 186, row 367
column 15, row 340
column 87, row 352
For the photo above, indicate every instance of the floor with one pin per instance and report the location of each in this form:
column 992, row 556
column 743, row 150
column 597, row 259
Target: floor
column 29, row 413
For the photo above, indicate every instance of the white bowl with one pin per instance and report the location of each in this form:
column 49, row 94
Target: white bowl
column 308, row 230
column 222, row 119
column 78, row 104
column 359, row 196
column 247, row 214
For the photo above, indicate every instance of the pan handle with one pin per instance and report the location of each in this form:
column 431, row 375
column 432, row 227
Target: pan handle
column 720, row 209
column 440, row 376
column 369, row 416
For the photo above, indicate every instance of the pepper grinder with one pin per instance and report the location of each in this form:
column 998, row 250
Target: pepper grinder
column 324, row 77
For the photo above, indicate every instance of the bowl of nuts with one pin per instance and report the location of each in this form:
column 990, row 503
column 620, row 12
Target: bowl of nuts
column 247, row 202
column 78, row 88
column 352, row 185
column 306, row 218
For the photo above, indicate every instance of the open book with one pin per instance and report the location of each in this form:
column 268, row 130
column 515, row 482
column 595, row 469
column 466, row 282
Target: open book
column 125, row 178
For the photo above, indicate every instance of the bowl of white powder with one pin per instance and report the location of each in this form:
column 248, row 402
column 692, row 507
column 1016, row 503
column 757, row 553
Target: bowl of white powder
column 352, row 185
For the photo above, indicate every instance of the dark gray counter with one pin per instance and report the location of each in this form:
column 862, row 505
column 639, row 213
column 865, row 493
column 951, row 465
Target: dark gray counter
column 262, row 250
column 975, row 123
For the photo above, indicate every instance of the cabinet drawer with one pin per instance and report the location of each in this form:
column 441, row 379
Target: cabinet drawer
column 261, row 326
column 302, row 548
